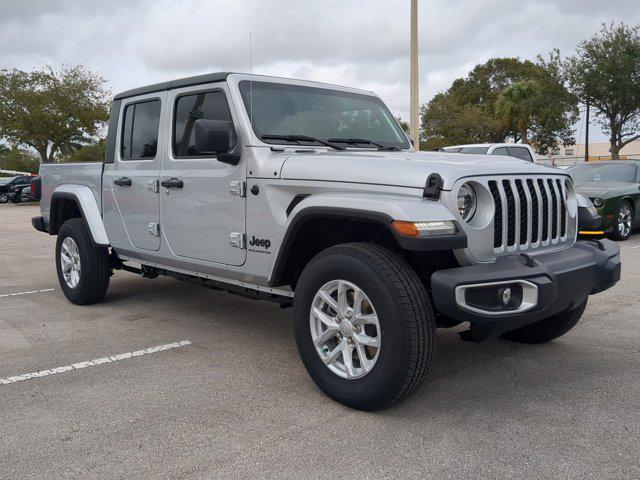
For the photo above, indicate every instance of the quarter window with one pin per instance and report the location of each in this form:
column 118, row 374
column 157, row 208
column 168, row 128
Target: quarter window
column 521, row 153
column 189, row 108
column 500, row 151
column 140, row 130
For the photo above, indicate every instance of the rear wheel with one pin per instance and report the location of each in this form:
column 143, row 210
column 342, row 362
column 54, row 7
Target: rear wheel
column 549, row 328
column 364, row 325
column 83, row 267
column 623, row 221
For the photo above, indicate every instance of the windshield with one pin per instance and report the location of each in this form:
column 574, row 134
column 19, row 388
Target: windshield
column 603, row 173
column 466, row 149
column 290, row 110
column 6, row 180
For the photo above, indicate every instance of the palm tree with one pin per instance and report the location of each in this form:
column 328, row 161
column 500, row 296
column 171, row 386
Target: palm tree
column 514, row 107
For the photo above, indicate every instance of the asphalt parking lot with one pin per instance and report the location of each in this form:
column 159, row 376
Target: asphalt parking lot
column 236, row 401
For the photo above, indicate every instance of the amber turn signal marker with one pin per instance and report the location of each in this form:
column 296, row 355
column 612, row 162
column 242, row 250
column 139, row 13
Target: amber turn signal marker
column 406, row 228
column 587, row 232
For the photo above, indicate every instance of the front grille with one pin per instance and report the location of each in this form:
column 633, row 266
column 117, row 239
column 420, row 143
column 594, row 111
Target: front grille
column 529, row 213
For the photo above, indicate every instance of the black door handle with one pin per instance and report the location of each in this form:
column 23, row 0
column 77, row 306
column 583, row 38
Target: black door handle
column 172, row 183
column 123, row 182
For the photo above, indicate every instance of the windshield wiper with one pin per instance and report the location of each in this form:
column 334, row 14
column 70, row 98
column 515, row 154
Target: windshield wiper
column 363, row 141
column 301, row 138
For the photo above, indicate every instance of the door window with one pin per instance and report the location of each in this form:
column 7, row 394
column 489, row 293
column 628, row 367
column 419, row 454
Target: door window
column 189, row 108
column 521, row 153
column 140, row 130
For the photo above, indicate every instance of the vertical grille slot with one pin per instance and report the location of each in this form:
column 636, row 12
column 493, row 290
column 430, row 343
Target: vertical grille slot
column 563, row 210
column 554, row 209
column 534, row 211
column 497, row 221
column 524, row 213
column 511, row 213
column 545, row 210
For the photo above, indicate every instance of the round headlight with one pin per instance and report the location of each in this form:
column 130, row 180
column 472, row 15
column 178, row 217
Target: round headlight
column 467, row 202
column 598, row 202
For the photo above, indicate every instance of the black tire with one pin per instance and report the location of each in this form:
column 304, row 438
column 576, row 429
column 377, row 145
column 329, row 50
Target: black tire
column 617, row 234
column 548, row 329
column 406, row 321
column 95, row 268
column 4, row 198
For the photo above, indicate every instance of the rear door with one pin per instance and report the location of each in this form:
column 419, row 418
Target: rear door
column 133, row 180
column 202, row 216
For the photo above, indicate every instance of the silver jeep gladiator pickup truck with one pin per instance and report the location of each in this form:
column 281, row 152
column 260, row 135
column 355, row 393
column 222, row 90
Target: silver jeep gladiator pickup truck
column 311, row 195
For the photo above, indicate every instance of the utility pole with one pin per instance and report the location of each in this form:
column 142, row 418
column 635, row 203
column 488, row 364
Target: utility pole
column 586, row 136
column 414, row 116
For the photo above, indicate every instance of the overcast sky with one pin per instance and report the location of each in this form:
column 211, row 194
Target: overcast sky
column 361, row 43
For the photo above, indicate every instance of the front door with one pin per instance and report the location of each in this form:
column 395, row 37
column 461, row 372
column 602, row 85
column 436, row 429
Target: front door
column 202, row 216
column 133, row 180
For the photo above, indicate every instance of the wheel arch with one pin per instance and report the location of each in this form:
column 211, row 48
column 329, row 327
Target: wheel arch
column 306, row 230
column 77, row 201
column 315, row 228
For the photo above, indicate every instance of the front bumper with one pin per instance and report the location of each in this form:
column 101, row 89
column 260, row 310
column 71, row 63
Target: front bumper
column 593, row 225
column 562, row 280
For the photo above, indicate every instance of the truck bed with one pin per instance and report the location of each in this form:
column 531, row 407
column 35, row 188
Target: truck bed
column 53, row 175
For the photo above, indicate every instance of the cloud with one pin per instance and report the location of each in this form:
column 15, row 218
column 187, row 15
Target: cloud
column 361, row 43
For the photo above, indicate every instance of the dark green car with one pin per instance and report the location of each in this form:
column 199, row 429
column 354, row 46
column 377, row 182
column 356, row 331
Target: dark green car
column 614, row 189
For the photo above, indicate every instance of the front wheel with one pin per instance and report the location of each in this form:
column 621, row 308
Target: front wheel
column 364, row 325
column 548, row 329
column 623, row 222
column 83, row 267
column 4, row 198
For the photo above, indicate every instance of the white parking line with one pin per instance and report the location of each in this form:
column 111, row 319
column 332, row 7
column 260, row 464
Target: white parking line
column 637, row 246
column 26, row 293
column 92, row 363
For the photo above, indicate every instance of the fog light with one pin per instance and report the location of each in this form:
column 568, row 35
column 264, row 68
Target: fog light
column 495, row 297
column 499, row 298
column 504, row 295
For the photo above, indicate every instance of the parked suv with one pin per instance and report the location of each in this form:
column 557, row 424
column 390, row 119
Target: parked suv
column 310, row 195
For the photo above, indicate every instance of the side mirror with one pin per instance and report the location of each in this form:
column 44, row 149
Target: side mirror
column 216, row 137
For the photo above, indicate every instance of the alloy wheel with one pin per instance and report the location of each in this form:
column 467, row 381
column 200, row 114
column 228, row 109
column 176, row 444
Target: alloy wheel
column 345, row 329
column 70, row 262
column 624, row 220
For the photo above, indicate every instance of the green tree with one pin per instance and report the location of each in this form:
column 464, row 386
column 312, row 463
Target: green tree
column 466, row 112
column 605, row 71
column 404, row 125
column 92, row 152
column 18, row 159
column 515, row 107
column 52, row 110
column 449, row 121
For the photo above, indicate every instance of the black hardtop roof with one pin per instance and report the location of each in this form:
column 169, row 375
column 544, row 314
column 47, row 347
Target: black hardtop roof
column 181, row 82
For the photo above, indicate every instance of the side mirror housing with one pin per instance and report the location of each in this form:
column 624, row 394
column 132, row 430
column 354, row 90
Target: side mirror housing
column 216, row 137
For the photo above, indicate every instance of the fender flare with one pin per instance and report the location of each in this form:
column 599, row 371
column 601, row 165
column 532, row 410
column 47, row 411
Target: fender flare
column 382, row 211
column 84, row 198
